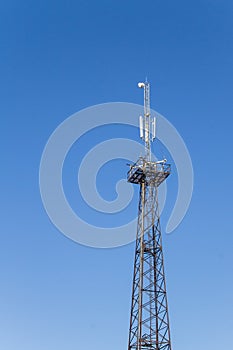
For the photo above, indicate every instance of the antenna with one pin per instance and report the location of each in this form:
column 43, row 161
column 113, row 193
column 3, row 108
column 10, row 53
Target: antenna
column 147, row 125
column 153, row 128
column 141, row 126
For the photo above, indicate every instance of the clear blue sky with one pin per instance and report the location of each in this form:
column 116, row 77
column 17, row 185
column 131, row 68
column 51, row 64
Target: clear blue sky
column 58, row 57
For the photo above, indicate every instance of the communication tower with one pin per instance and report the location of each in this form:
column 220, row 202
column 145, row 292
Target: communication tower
column 149, row 322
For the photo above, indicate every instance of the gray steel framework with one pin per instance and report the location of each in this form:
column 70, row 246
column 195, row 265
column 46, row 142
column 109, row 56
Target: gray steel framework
column 149, row 322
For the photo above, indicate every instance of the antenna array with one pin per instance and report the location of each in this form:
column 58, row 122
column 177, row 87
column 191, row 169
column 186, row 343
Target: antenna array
column 147, row 123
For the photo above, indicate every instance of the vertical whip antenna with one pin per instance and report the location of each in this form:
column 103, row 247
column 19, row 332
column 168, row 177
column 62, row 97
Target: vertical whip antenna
column 147, row 124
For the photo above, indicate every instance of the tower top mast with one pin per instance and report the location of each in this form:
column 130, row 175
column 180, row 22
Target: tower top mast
column 147, row 124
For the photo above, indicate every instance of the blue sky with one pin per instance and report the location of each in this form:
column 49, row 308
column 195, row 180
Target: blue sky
column 58, row 57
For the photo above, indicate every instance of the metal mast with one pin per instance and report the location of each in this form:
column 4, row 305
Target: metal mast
column 149, row 322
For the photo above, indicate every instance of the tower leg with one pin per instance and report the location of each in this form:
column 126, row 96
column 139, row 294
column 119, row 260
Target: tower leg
column 149, row 321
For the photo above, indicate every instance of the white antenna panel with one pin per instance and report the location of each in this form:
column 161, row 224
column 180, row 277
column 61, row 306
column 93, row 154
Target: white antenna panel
column 141, row 126
column 147, row 127
column 153, row 128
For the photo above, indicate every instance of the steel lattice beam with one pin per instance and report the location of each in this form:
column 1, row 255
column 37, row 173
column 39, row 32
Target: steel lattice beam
column 149, row 321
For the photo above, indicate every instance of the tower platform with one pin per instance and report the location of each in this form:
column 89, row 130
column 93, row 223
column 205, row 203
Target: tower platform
column 151, row 173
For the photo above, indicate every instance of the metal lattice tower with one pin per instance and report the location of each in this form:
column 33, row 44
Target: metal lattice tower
column 149, row 322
